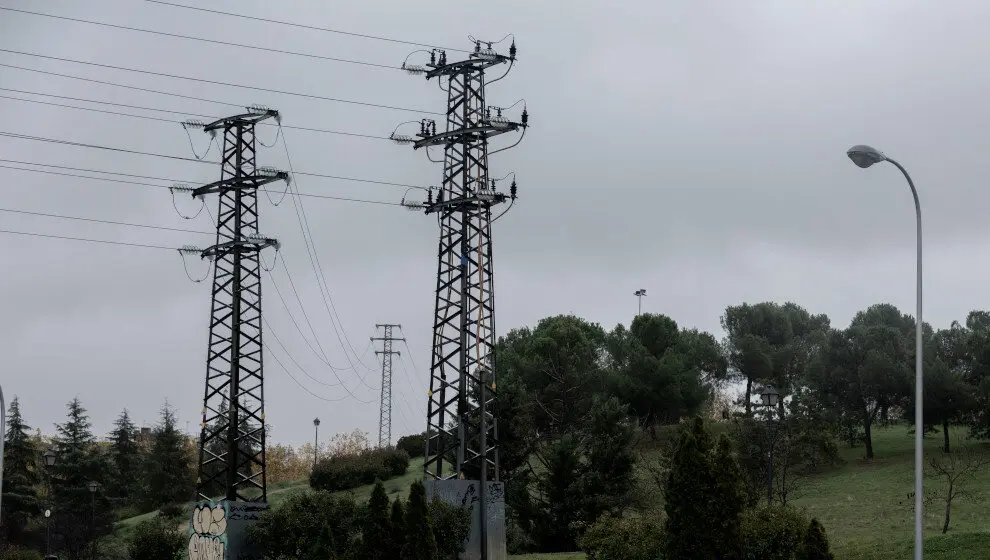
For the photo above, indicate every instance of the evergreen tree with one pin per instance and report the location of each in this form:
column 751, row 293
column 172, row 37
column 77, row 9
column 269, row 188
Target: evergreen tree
column 377, row 531
column 420, row 543
column 814, row 546
column 168, row 474
column 79, row 516
column 126, row 458
column 397, row 520
column 21, row 476
column 704, row 499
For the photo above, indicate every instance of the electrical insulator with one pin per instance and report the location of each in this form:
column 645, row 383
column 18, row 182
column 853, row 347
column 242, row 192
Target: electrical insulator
column 513, row 190
column 477, row 46
column 433, row 127
column 512, row 50
column 429, row 197
column 525, row 117
column 422, row 127
column 433, row 57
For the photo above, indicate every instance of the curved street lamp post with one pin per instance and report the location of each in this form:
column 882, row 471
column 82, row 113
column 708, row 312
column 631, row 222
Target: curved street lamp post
column 865, row 156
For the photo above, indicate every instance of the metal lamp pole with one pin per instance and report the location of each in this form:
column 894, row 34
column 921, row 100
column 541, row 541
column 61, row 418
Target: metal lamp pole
column 769, row 399
column 48, row 458
column 93, row 487
column 3, row 438
column 639, row 295
column 316, row 441
column 865, row 156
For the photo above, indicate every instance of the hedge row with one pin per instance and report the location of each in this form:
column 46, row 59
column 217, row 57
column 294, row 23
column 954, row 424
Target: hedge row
column 344, row 472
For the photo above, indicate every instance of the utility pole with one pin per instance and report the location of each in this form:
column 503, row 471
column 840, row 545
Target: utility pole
column 232, row 434
column 385, row 413
column 316, row 442
column 640, row 293
column 461, row 428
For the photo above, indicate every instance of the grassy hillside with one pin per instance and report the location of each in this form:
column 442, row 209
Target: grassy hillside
column 864, row 505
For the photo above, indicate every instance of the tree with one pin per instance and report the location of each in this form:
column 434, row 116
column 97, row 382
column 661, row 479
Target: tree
column 771, row 343
column 420, row 543
column 398, row 521
column 957, row 469
column 126, row 458
column 703, row 490
column 309, row 526
column 168, row 471
column 20, row 466
column 978, row 374
column 156, row 538
column 79, row 516
column 376, row 535
column 814, row 546
column 866, row 369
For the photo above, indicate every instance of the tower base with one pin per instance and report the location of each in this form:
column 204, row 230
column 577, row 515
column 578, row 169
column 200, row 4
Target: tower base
column 466, row 493
column 218, row 530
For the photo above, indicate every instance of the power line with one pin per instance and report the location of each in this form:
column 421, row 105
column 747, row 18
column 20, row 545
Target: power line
column 85, row 239
column 195, row 160
column 303, row 26
column 205, row 40
column 185, row 113
column 313, row 195
column 226, row 84
column 100, row 221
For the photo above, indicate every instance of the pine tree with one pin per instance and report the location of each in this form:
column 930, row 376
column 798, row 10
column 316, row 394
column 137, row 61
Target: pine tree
column 79, row 515
column 704, row 499
column 377, row 530
column 126, row 457
column 420, row 543
column 20, row 466
column 814, row 546
column 398, row 538
column 168, row 475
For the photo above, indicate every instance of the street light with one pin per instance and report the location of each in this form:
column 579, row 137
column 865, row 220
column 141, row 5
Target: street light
column 3, row 437
column 48, row 457
column 639, row 294
column 93, row 487
column 769, row 398
column 865, row 156
column 316, row 441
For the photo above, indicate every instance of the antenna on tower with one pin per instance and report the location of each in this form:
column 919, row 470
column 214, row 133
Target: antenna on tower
column 461, row 427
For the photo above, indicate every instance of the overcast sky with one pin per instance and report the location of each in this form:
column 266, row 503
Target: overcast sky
column 694, row 149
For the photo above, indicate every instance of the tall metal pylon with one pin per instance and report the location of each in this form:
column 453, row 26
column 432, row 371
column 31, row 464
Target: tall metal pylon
column 385, row 414
column 461, row 428
column 231, row 462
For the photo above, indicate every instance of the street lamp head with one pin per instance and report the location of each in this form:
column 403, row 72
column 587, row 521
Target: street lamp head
column 640, row 292
column 93, row 487
column 769, row 397
column 49, row 458
column 316, row 422
column 865, row 156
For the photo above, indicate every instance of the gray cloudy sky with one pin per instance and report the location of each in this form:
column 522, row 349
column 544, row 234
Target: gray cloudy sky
column 695, row 149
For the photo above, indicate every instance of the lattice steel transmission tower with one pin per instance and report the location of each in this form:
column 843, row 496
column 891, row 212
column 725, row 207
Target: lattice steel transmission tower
column 232, row 437
column 461, row 428
column 385, row 414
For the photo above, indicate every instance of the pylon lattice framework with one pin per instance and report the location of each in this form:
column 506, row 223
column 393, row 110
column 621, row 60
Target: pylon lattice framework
column 461, row 428
column 385, row 413
column 232, row 437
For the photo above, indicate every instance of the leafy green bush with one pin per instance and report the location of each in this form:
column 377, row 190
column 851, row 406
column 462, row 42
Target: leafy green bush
column 309, row 526
column 451, row 527
column 814, row 545
column 156, row 538
column 618, row 538
column 773, row 532
column 413, row 444
column 18, row 553
column 396, row 461
column 343, row 472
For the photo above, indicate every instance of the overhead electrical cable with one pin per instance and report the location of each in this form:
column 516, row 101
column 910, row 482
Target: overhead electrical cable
column 204, row 39
column 323, row 196
column 85, row 239
column 226, row 84
column 185, row 113
column 100, row 221
column 195, row 160
column 304, row 26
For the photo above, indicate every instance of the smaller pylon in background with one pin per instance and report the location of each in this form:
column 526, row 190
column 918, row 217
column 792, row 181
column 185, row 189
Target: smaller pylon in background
column 385, row 414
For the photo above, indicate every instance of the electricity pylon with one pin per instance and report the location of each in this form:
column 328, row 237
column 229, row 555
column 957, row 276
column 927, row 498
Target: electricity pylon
column 461, row 427
column 385, row 413
column 232, row 437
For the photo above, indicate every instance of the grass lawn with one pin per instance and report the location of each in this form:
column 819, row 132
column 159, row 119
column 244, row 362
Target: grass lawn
column 864, row 505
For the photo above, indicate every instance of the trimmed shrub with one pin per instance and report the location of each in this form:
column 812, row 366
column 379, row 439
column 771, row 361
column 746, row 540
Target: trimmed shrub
column 413, row 444
column 343, row 472
column 814, row 546
column 773, row 532
column 617, row 538
column 396, row 461
column 156, row 538
column 451, row 527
